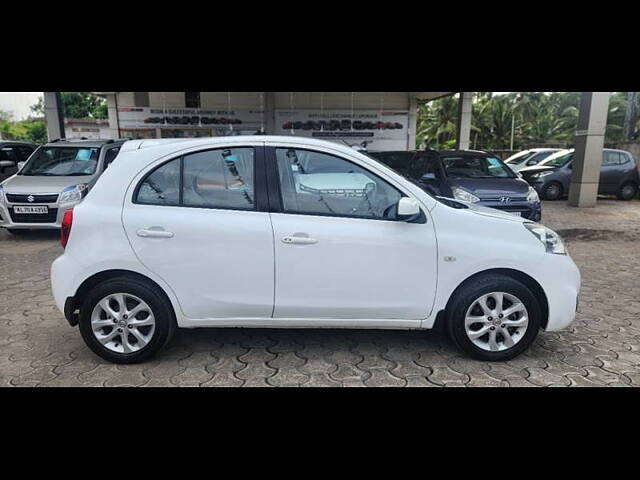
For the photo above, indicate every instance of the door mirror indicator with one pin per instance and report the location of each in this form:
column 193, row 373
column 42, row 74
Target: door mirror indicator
column 408, row 209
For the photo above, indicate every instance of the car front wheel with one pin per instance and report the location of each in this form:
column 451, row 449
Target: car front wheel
column 494, row 318
column 552, row 191
column 126, row 320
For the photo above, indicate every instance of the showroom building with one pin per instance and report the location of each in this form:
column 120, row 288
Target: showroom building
column 385, row 120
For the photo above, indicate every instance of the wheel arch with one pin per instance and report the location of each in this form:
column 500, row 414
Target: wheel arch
column 104, row 275
column 518, row 275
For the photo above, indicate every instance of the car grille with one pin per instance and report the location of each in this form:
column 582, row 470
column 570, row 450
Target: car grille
column 19, row 198
column 512, row 199
column 49, row 217
column 525, row 212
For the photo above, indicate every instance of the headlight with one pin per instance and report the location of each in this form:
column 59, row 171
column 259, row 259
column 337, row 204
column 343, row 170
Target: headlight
column 532, row 196
column 541, row 174
column 73, row 194
column 550, row 239
column 462, row 194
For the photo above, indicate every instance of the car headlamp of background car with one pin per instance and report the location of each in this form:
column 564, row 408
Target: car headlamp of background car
column 462, row 194
column 73, row 193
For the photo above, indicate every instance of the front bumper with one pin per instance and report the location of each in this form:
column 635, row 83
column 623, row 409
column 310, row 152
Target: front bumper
column 53, row 219
column 530, row 211
column 560, row 279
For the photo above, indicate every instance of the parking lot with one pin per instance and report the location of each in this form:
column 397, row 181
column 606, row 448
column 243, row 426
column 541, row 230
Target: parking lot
column 602, row 347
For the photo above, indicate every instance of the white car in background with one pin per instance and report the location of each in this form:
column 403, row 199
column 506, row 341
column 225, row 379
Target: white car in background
column 291, row 232
column 528, row 158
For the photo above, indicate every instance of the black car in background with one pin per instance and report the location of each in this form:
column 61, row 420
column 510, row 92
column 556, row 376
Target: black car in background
column 618, row 174
column 11, row 153
column 468, row 175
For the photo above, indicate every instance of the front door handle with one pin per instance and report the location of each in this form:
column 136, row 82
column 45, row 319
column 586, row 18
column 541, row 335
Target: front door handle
column 154, row 232
column 299, row 239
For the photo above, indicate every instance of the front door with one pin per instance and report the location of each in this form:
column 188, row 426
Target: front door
column 340, row 252
column 196, row 221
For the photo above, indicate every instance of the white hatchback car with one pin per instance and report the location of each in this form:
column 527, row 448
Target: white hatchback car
column 268, row 231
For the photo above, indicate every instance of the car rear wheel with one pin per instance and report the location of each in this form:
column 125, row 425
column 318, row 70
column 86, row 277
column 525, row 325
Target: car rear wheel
column 494, row 318
column 627, row 191
column 552, row 191
column 126, row 320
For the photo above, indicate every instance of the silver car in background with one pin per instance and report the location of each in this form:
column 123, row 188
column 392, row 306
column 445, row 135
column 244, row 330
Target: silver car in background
column 528, row 158
column 55, row 177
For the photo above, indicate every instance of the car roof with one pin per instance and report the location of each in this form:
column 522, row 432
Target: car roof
column 88, row 142
column 182, row 143
column 16, row 142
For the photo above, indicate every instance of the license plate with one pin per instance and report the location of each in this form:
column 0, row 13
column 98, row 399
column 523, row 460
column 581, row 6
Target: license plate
column 517, row 214
column 31, row 209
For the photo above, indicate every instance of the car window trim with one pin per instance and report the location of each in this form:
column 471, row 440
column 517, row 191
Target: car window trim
column 258, row 173
column 275, row 192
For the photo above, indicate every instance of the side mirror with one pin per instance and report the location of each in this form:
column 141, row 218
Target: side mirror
column 408, row 209
column 531, row 163
column 20, row 165
column 429, row 177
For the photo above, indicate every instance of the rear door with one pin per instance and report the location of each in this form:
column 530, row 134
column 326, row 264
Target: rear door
column 610, row 172
column 199, row 221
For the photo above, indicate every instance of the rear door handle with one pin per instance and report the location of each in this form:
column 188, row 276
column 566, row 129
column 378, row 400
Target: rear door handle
column 154, row 232
column 299, row 239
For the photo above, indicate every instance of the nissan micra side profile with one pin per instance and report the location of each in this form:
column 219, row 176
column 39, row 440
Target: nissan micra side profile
column 285, row 232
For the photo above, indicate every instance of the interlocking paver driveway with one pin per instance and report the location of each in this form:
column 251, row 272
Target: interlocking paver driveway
column 602, row 347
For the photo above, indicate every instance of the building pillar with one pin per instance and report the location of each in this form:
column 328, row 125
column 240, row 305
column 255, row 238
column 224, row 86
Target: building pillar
column 112, row 115
column 54, row 115
column 463, row 138
column 587, row 158
column 269, row 113
column 413, row 122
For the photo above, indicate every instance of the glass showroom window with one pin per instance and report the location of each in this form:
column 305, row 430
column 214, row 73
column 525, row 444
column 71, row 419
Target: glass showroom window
column 318, row 183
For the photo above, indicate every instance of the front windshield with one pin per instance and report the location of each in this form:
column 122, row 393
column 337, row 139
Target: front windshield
column 558, row 159
column 476, row 166
column 520, row 157
column 62, row 161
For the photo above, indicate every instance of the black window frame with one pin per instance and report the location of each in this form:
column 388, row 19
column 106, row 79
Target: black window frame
column 276, row 204
column 106, row 151
column 260, row 203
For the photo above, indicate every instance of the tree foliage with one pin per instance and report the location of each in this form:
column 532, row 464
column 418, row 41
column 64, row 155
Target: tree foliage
column 536, row 118
column 78, row 105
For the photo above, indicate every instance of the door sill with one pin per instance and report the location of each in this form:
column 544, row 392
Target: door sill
column 391, row 324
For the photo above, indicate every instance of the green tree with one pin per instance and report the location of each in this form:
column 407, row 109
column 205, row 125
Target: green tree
column 77, row 105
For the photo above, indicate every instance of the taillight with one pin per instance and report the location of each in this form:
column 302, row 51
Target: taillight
column 65, row 228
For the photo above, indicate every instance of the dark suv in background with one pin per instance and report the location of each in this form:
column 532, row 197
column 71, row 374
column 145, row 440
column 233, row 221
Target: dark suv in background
column 11, row 153
column 618, row 174
column 468, row 175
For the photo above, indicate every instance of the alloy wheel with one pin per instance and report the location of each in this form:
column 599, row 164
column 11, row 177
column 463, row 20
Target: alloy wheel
column 496, row 321
column 123, row 323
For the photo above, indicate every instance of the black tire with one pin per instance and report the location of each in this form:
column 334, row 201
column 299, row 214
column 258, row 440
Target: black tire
column 469, row 292
column 627, row 191
column 165, row 323
column 18, row 231
column 552, row 191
